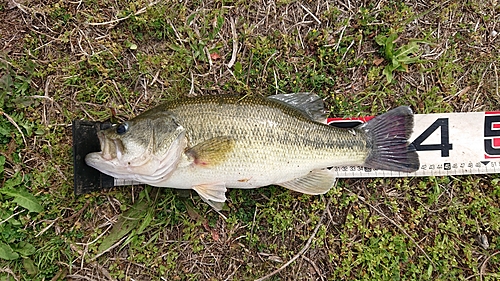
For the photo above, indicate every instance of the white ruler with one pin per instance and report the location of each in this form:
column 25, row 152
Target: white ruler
column 446, row 143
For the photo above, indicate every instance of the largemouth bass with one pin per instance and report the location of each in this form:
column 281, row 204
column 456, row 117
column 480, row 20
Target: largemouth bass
column 210, row 143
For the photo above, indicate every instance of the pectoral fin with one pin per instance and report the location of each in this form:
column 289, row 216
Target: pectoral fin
column 314, row 183
column 213, row 194
column 211, row 152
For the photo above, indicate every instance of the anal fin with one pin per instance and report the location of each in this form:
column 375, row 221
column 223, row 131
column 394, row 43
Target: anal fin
column 314, row 183
column 213, row 194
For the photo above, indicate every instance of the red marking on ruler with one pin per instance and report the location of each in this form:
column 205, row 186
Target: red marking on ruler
column 486, row 156
column 496, row 142
column 492, row 113
column 362, row 119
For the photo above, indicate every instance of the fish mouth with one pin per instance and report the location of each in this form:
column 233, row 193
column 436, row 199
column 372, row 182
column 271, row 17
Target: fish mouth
column 108, row 160
column 110, row 148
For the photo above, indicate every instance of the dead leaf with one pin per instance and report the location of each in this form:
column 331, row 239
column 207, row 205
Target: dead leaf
column 215, row 235
column 378, row 61
column 215, row 56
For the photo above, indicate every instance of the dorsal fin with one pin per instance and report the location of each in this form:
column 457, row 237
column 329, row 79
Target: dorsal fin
column 311, row 105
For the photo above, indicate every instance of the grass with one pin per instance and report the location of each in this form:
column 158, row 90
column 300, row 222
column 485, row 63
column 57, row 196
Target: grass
column 101, row 60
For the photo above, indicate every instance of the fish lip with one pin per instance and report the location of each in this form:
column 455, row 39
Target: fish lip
column 119, row 149
column 108, row 147
column 108, row 159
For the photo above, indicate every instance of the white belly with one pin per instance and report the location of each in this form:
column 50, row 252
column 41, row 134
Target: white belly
column 242, row 174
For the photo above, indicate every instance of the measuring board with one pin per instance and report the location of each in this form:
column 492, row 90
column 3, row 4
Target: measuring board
column 447, row 144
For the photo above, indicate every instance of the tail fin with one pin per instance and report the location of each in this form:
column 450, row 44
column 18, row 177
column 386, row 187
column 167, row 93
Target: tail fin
column 389, row 135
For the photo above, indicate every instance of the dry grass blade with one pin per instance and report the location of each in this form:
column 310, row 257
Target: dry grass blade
column 235, row 44
column 13, row 122
column 10, row 272
column 483, row 266
column 399, row 227
column 111, row 60
column 110, row 248
column 23, row 8
column 310, row 13
column 113, row 23
column 303, row 250
column 11, row 216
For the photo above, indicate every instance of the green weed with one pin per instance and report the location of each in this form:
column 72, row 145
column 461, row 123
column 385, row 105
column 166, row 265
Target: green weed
column 398, row 59
column 65, row 67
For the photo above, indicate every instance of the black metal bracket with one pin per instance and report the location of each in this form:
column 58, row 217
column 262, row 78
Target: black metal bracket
column 86, row 178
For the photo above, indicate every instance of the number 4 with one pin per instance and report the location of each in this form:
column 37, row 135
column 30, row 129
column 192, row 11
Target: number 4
column 445, row 146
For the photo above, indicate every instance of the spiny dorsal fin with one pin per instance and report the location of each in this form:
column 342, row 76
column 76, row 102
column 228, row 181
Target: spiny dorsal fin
column 311, row 105
column 211, row 152
column 314, row 183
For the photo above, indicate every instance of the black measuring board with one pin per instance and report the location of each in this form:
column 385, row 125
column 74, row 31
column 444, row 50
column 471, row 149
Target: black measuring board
column 87, row 179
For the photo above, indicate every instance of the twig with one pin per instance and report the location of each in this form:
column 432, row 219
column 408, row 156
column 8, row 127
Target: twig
column 253, row 222
column 81, row 277
column 230, row 275
column 23, row 8
column 235, row 45
column 303, row 250
column 110, row 248
column 46, row 91
column 80, row 39
column 275, row 81
column 95, row 240
column 15, row 125
column 342, row 34
column 154, row 78
column 209, row 57
column 483, row 266
column 112, row 22
column 9, row 271
column 310, row 13
column 398, row 226
column 176, row 33
column 485, row 274
column 315, row 267
column 343, row 57
column 496, row 76
column 77, row 214
column 348, row 6
column 47, row 227
column 191, row 90
column 300, row 38
column 11, row 216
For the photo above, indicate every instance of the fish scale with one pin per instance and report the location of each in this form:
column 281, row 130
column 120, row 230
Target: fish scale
column 265, row 136
column 210, row 143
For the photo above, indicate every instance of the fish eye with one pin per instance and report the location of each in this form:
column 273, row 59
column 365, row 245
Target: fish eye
column 122, row 128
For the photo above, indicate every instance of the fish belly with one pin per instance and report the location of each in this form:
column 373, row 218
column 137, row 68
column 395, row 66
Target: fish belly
column 255, row 168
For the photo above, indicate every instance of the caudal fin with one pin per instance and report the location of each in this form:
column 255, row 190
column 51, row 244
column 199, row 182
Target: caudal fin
column 389, row 135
